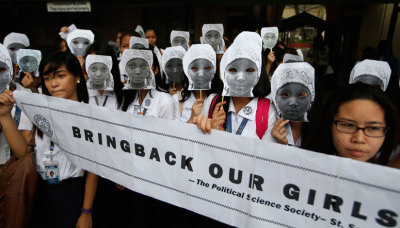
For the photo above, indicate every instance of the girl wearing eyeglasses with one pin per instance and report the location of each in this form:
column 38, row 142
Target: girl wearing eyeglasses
column 360, row 123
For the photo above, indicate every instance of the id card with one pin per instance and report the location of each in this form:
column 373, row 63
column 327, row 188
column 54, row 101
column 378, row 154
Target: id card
column 52, row 173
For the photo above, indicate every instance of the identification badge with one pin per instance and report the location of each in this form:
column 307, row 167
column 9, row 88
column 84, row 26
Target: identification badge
column 52, row 172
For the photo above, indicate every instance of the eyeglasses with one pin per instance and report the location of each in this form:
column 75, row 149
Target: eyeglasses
column 350, row 128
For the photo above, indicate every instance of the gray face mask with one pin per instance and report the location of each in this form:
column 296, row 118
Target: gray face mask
column 174, row 70
column 138, row 46
column 241, row 77
column 370, row 80
column 79, row 46
column 180, row 41
column 28, row 64
column 13, row 49
column 138, row 71
column 213, row 38
column 293, row 101
column 201, row 73
column 98, row 74
column 270, row 40
column 4, row 76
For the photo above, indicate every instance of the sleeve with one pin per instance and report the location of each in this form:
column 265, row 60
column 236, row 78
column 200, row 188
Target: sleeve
column 272, row 118
column 207, row 104
column 167, row 107
column 25, row 123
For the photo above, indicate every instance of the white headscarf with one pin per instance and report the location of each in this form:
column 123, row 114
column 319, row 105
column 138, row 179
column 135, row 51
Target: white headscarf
column 138, row 40
column 106, row 60
column 199, row 51
column 214, row 27
column 5, row 58
column 88, row 34
column 185, row 35
column 146, row 55
column 30, row 52
column 380, row 69
column 301, row 72
column 176, row 52
column 293, row 58
column 14, row 37
column 273, row 30
column 64, row 35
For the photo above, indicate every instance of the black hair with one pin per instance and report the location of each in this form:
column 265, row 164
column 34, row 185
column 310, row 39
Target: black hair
column 130, row 95
column 57, row 59
column 105, row 49
column 322, row 137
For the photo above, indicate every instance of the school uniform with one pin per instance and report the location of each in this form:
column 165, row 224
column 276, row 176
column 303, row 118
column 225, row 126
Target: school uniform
column 56, row 205
column 156, row 104
column 247, row 113
column 107, row 99
column 185, row 108
column 289, row 137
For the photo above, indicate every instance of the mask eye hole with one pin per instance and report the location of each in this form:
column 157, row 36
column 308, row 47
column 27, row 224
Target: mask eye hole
column 208, row 68
column 250, row 70
column 232, row 70
column 302, row 94
column 194, row 69
column 284, row 95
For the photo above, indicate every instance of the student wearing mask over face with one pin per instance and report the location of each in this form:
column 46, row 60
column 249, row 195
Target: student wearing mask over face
column 293, row 92
column 213, row 34
column 145, row 93
column 358, row 122
column 180, row 38
column 28, row 63
column 241, row 114
column 269, row 37
column 69, row 197
column 13, row 42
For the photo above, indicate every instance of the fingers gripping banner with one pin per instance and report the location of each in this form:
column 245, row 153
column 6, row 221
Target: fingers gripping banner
column 237, row 180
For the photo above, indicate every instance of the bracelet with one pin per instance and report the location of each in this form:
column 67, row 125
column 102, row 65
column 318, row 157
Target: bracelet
column 83, row 210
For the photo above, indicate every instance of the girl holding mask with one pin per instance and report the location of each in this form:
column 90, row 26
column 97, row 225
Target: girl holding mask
column 241, row 72
column 359, row 122
column 69, row 197
column 28, row 62
column 293, row 92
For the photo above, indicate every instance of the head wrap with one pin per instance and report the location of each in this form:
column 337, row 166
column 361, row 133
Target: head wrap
column 30, row 52
column 379, row 69
column 266, row 30
column 292, row 58
column 79, row 33
column 214, row 27
column 199, row 51
column 185, row 35
column 14, row 37
column 301, row 72
column 106, row 60
column 5, row 58
column 138, row 40
column 176, row 52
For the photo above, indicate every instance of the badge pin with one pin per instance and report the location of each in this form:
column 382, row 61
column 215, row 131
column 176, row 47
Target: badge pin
column 147, row 102
column 247, row 110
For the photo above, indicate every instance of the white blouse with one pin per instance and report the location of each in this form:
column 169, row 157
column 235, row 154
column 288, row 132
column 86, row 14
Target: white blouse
column 156, row 104
column 107, row 99
column 186, row 112
column 42, row 152
column 247, row 112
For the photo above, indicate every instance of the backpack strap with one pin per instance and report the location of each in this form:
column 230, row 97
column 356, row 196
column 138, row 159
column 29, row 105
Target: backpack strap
column 262, row 116
column 212, row 106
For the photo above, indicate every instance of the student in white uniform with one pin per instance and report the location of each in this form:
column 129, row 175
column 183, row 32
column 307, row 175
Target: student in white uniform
column 293, row 92
column 65, row 194
column 154, row 102
column 112, row 97
column 241, row 68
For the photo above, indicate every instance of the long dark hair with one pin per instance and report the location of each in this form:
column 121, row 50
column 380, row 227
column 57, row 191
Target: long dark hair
column 57, row 59
column 130, row 95
column 322, row 137
column 105, row 49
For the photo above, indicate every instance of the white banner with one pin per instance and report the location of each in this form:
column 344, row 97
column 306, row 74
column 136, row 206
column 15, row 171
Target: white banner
column 237, row 180
column 69, row 6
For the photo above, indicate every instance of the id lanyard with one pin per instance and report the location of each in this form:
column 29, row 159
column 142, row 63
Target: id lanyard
column 97, row 99
column 51, row 150
column 241, row 126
